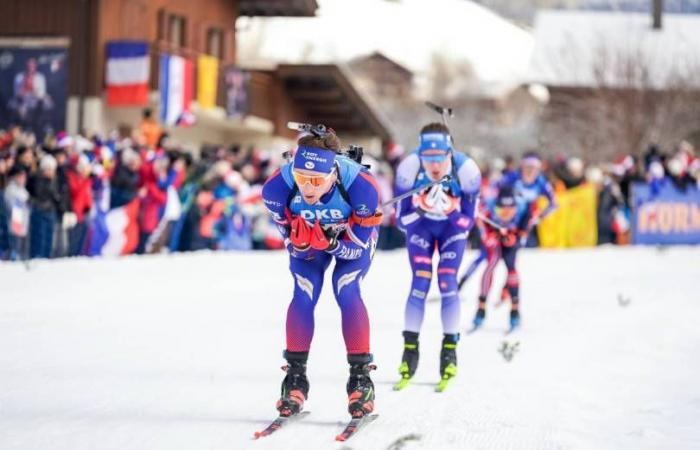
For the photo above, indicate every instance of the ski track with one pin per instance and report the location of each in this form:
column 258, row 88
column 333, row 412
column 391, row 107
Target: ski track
column 183, row 352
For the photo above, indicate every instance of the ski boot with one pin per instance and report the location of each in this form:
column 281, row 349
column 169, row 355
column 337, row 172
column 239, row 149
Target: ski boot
column 480, row 315
column 295, row 386
column 360, row 388
column 448, row 360
column 409, row 360
column 514, row 319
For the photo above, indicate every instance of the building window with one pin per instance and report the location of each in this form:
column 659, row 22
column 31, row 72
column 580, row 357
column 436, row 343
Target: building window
column 215, row 42
column 177, row 31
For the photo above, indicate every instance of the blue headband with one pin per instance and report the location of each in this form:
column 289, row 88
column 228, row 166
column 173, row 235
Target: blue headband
column 532, row 160
column 316, row 159
column 435, row 146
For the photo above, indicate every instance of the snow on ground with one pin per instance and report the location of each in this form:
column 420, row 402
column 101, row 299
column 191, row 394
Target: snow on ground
column 183, row 352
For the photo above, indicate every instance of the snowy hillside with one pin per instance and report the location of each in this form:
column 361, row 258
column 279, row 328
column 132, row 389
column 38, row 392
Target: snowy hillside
column 461, row 31
column 183, row 352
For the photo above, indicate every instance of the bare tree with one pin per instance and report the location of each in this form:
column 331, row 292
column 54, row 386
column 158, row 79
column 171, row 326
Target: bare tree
column 633, row 98
column 475, row 122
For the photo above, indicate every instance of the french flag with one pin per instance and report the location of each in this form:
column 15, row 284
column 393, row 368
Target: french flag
column 115, row 232
column 176, row 89
column 128, row 71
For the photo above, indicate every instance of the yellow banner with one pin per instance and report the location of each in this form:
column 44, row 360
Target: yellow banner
column 574, row 223
column 207, row 80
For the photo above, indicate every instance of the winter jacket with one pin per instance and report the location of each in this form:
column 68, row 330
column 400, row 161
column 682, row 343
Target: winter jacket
column 80, row 194
column 124, row 186
column 45, row 195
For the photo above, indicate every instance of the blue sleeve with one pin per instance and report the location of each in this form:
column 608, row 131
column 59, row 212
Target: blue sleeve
column 364, row 199
column 406, row 174
column 274, row 194
column 470, row 184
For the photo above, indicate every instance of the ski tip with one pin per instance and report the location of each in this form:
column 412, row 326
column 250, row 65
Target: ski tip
column 442, row 385
column 401, row 384
column 340, row 438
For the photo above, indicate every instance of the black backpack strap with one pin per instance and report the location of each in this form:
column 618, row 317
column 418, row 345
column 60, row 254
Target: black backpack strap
column 342, row 190
column 292, row 194
column 339, row 184
column 455, row 175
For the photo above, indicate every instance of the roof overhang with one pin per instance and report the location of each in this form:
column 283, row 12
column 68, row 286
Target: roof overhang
column 277, row 8
column 326, row 95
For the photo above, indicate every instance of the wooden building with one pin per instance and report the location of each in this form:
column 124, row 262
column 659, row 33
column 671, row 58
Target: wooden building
column 189, row 28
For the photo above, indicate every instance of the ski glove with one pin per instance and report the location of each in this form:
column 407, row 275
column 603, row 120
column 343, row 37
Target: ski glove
column 300, row 233
column 437, row 201
column 320, row 241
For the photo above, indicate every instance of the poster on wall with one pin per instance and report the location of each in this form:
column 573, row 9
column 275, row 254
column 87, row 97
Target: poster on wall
column 237, row 85
column 34, row 84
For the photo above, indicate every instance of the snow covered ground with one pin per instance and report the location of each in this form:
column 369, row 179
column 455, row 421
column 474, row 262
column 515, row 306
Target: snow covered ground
column 183, row 352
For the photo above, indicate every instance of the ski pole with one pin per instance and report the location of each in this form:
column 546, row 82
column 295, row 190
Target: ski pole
column 443, row 111
column 489, row 221
column 444, row 114
column 416, row 190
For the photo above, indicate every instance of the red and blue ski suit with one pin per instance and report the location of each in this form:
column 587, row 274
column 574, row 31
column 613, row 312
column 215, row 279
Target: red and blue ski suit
column 348, row 208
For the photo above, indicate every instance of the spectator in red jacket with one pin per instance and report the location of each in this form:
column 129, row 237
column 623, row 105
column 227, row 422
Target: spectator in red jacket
column 80, row 187
column 158, row 176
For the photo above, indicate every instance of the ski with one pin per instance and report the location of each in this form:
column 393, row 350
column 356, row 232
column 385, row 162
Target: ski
column 512, row 329
column 402, row 384
column 473, row 329
column 448, row 374
column 442, row 385
column 280, row 422
column 514, row 323
column 355, row 425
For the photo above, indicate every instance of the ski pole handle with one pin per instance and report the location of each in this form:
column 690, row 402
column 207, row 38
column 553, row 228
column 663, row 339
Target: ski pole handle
column 416, row 190
column 489, row 221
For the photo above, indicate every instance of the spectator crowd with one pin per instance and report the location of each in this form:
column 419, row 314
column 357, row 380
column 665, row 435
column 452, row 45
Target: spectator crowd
column 53, row 192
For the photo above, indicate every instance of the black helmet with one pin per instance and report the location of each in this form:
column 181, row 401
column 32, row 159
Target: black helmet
column 506, row 197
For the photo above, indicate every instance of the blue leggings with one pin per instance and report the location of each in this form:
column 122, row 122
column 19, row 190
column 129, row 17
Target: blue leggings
column 422, row 241
column 308, row 282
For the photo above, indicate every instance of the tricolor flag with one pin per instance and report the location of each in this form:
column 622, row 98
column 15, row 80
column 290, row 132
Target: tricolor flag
column 176, row 89
column 115, row 232
column 128, row 70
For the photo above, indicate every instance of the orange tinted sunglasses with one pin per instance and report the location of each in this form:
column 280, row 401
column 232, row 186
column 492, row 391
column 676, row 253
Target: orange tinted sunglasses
column 506, row 212
column 313, row 180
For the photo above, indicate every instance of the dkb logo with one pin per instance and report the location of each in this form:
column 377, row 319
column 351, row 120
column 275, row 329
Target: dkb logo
column 321, row 214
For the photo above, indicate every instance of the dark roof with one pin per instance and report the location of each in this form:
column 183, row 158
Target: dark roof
column 285, row 8
column 326, row 95
column 361, row 60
